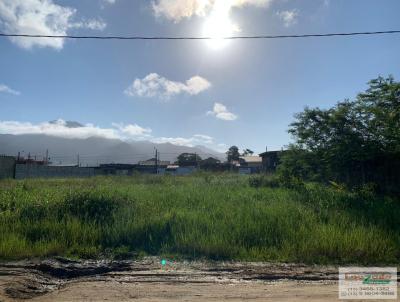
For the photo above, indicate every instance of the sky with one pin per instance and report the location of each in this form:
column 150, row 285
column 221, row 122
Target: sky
column 213, row 93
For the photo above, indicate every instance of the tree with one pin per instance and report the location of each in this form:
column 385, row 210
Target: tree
column 233, row 153
column 188, row 159
column 353, row 142
column 210, row 161
column 247, row 152
column 210, row 164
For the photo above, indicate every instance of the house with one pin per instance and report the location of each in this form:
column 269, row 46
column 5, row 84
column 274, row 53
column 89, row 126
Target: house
column 171, row 169
column 177, row 170
column 152, row 162
column 270, row 160
column 250, row 164
column 152, row 166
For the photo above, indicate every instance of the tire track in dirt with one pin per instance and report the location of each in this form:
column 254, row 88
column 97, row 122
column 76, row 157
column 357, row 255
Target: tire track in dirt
column 30, row 279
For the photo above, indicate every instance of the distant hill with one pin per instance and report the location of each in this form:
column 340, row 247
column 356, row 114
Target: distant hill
column 94, row 150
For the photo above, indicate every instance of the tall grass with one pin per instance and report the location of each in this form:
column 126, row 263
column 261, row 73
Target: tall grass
column 217, row 217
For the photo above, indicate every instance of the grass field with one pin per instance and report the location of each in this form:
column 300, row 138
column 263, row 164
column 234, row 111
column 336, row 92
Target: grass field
column 202, row 216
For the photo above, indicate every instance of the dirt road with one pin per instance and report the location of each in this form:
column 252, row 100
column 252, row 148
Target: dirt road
column 148, row 280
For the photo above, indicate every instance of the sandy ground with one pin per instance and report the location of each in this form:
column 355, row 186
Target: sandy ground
column 115, row 291
column 147, row 280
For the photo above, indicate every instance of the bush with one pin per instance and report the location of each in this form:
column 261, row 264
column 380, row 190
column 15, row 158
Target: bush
column 271, row 182
column 259, row 181
column 366, row 191
column 33, row 212
column 255, row 181
column 291, row 182
column 96, row 207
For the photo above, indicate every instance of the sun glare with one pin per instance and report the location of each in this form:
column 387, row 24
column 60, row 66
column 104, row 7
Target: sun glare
column 218, row 26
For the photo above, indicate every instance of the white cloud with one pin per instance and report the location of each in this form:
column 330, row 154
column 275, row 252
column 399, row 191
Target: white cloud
column 176, row 10
column 132, row 130
column 40, row 17
column 289, row 17
column 6, row 89
column 154, row 85
column 221, row 112
column 60, row 128
column 93, row 24
column 196, row 84
column 105, row 3
column 126, row 132
column 205, row 138
column 198, row 139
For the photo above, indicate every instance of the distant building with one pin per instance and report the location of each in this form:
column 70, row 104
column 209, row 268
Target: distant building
column 150, row 166
column 250, row 164
column 116, row 169
column 31, row 161
column 152, row 162
column 270, row 160
column 171, row 169
column 177, row 170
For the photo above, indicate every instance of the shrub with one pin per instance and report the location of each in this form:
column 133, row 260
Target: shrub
column 256, row 181
column 33, row 212
column 86, row 205
column 271, row 182
column 264, row 181
column 291, row 182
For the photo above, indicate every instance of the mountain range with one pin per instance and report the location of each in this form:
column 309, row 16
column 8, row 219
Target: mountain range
column 94, row 150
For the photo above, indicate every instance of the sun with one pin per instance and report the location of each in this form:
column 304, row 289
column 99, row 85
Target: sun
column 219, row 26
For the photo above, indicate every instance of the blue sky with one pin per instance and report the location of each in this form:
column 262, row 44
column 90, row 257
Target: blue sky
column 242, row 93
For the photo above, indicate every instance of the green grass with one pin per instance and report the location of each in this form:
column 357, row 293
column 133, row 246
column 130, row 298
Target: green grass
column 202, row 216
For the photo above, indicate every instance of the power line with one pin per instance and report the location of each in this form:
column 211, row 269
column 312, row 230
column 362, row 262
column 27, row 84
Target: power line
column 203, row 38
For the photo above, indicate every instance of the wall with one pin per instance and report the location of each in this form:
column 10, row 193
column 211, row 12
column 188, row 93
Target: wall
column 181, row 171
column 7, row 166
column 244, row 170
column 38, row 171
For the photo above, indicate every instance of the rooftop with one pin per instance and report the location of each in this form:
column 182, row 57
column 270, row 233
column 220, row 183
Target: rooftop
column 251, row 159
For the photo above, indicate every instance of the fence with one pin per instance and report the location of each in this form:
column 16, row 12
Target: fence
column 23, row 171
column 7, row 166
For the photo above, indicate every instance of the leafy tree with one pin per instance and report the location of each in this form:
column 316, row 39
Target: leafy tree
column 188, row 159
column 210, row 161
column 247, row 152
column 379, row 109
column 233, row 153
column 210, row 164
column 354, row 141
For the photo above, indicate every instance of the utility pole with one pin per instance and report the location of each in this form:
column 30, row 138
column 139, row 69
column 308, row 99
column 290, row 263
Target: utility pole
column 197, row 161
column 156, row 161
column 77, row 160
column 47, row 157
